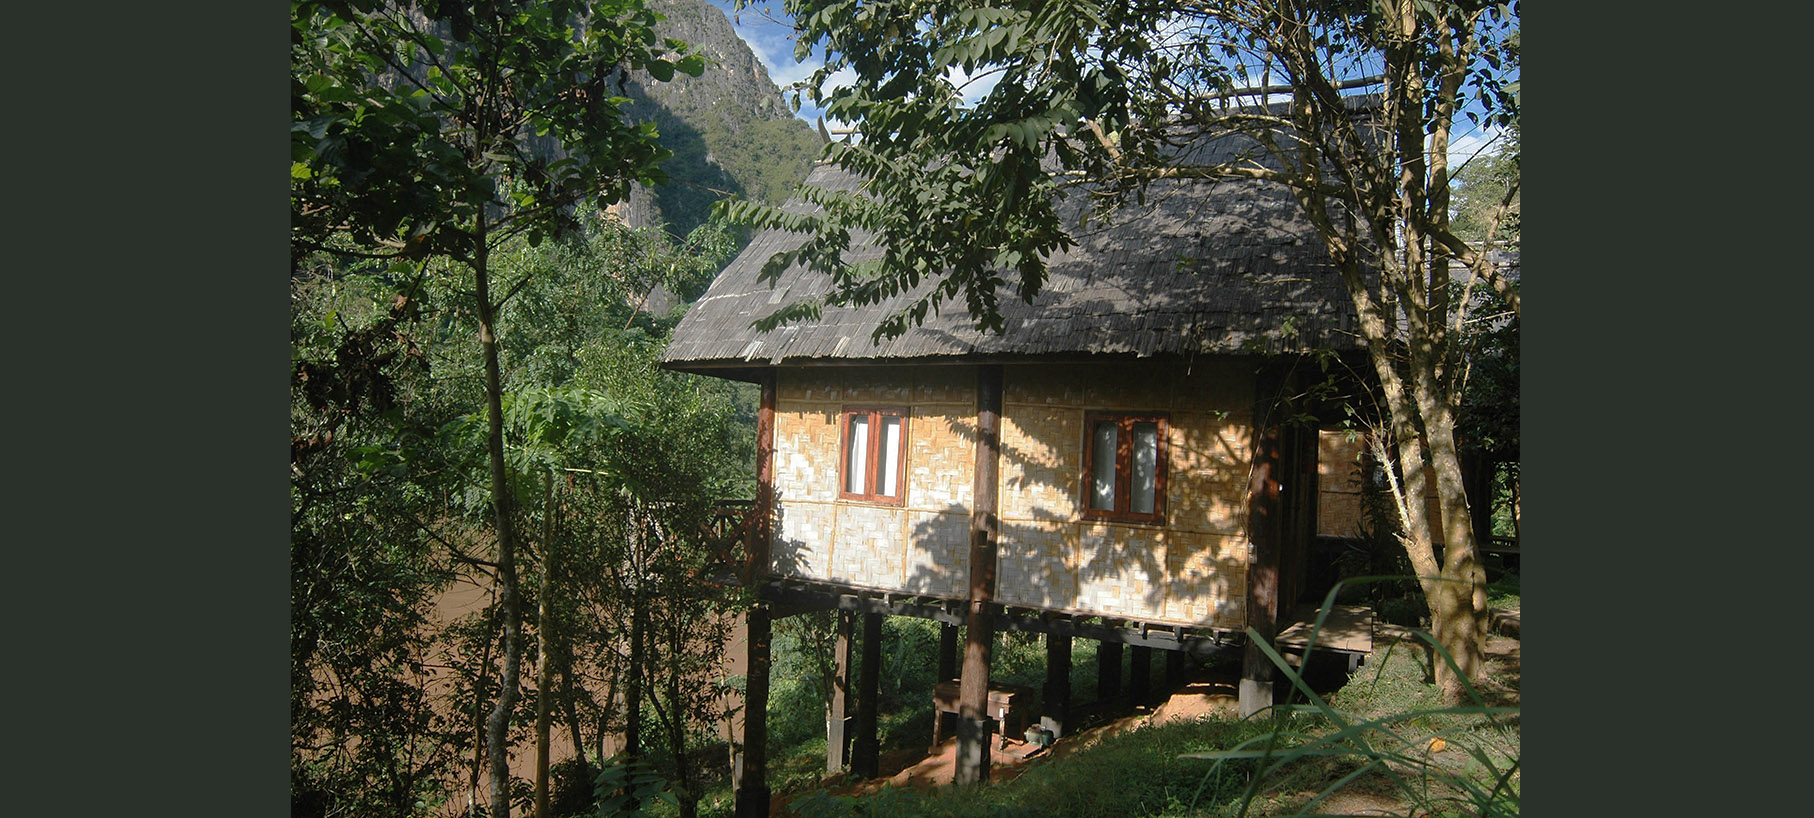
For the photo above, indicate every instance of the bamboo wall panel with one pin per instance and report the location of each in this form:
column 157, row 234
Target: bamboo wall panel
column 1189, row 571
column 936, row 554
column 941, row 457
column 1042, row 462
column 1036, row 565
column 869, row 548
column 1120, row 570
column 1206, row 579
column 1338, row 481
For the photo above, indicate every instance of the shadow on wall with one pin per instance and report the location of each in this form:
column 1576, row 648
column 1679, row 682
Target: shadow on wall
column 1192, row 571
column 1055, row 565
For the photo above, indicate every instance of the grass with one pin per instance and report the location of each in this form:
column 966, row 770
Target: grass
column 1386, row 734
column 1389, row 734
column 1142, row 773
column 1372, row 736
column 1503, row 592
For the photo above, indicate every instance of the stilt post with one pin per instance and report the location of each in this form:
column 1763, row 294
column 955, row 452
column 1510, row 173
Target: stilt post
column 1140, row 675
column 751, row 795
column 973, row 727
column 837, row 722
column 1108, row 672
column 1057, row 692
column 864, row 755
column 1264, row 528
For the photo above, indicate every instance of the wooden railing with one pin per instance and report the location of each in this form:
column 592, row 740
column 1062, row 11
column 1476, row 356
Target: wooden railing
column 728, row 532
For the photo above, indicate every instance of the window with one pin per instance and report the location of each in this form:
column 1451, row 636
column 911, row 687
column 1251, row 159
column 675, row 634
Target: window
column 872, row 466
column 1124, row 467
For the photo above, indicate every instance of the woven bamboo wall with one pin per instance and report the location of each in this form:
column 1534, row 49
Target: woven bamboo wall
column 1191, row 570
column 1338, row 484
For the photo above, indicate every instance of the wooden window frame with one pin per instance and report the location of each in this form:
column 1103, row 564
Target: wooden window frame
column 1124, row 454
column 872, row 475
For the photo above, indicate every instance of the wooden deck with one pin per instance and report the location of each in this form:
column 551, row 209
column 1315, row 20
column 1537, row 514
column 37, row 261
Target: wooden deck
column 1349, row 629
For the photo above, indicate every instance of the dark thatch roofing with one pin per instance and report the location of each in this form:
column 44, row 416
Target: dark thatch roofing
column 1203, row 268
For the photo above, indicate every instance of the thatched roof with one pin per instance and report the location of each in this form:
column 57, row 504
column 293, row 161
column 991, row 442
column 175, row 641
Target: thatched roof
column 1203, row 268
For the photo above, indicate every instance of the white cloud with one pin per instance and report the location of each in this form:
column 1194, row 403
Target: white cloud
column 974, row 87
column 1466, row 145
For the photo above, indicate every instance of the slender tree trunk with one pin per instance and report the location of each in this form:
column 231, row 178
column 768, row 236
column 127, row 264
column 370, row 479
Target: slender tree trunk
column 634, row 675
column 478, row 731
column 1459, row 608
column 497, row 725
column 568, row 711
column 544, row 663
column 686, row 791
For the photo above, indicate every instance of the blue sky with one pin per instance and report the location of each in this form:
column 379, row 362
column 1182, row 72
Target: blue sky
column 773, row 43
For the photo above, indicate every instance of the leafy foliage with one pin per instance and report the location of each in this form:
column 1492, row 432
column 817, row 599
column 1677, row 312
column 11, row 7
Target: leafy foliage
column 623, row 788
column 393, row 511
column 409, row 121
column 1488, row 203
column 430, row 135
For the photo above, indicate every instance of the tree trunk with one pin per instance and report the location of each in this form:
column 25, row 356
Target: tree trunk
column 633, row 675
column 568, row 711
column 686, row 790
column 1459, row 607
column 544, row 662
column 478, row 731
column 497, row 725
column 985, row 529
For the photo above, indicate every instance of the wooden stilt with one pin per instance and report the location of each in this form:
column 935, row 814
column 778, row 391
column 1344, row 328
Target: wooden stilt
column 1108, row 672
column 947, row 670
column 1140, row 675
column 985, row 527
column 947, row 652
column 751, row 795
column 837, row 743
column 1175, row 668
column 1264, row 527
column 1057, row 692
column 864, row 755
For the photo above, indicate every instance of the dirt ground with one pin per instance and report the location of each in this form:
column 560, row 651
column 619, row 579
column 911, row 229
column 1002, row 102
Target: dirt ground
column 1210, row 691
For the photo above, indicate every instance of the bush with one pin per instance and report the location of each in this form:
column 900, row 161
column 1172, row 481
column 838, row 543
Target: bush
column 1406, row 611
column 570, row 793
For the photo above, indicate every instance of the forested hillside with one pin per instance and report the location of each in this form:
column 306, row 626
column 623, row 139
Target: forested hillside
column 729, row 128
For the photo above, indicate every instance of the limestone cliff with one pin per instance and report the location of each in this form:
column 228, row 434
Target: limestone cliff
column 730, row 128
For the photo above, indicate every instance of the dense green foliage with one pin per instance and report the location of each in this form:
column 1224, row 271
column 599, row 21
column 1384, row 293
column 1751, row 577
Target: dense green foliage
column 392, row 513
column 408, row 122
column 436, row 147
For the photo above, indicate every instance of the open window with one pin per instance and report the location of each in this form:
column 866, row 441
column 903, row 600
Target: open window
column 1124, row 463
column 872, row 465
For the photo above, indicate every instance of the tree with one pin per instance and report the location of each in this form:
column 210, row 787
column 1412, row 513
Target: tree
column 1103, row 99
column 394, row 508
column 440, row 129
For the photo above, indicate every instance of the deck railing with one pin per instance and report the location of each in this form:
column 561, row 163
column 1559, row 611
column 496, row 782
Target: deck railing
column 728, row 535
